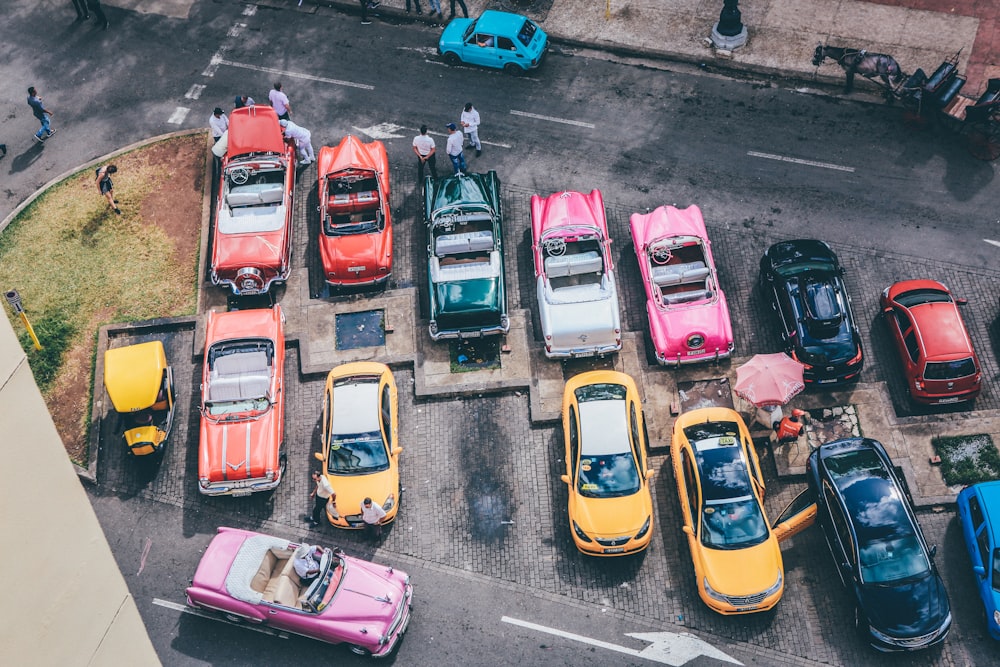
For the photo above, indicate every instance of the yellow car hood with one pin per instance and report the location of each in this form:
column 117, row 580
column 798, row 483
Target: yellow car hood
column 352, row 489
column 612, row 517
column 740, row 572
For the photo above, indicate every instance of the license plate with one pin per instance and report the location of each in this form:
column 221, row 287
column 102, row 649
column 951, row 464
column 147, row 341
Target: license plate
column 355, row 524
column 691, row 352
column 614, row 550
column 239, row 493
column 750, row 608
column 356, row 269
column 826, row 381
column 952, row 399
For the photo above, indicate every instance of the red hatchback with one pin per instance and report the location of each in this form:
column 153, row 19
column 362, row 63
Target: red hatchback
column 934, row 346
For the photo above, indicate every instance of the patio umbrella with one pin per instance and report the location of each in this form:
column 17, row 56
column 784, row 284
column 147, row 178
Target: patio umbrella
column 769, row 379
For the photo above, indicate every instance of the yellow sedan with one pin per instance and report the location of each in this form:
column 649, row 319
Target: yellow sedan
column 737, row 561
column 610, row 507
column 360, row 437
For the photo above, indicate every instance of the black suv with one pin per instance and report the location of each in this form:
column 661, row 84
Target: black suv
column 804, row 283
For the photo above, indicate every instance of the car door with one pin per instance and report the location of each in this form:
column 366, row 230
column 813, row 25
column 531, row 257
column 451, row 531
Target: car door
column 780, row 303
column 797, row 516
column 901, row 328
column 839, row 536
column 479, row 55
column 508, row 51
column 285, row 618
column 977, row 540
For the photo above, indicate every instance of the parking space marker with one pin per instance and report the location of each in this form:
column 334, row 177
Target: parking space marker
column 178, row 116
column 295, row 75
column 795, row 160
column 552, row 119
column 194, row 92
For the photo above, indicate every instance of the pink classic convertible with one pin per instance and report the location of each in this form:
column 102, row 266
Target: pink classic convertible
column 250, row 577
column 688, row 315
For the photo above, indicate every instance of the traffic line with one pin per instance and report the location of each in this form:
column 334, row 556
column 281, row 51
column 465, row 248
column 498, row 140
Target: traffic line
column 184, row 609
column 178, row 116
column 795, row 160
column 552, row 119
column 669, row 648
column 294, row 75
column 992, row 242
column 194, row 92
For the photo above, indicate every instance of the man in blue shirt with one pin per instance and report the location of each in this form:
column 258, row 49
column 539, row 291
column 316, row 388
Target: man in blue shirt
column 41, row 113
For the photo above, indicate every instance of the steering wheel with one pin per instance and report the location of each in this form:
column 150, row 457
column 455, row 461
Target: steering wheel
column 554, row 247
column 240, row 175
column 661, row 255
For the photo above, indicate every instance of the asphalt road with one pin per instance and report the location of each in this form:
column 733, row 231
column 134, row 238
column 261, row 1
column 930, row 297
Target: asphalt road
column 756, row 156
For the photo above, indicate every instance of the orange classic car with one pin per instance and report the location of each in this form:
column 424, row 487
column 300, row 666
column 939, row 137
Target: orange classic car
column 355, row 240
column 252, row 239
column 241, row 447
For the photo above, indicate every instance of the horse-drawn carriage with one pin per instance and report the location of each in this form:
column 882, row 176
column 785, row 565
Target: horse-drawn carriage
column 929, row 99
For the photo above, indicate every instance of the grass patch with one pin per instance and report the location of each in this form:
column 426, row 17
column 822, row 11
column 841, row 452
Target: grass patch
column 475, row 354
column 967, row 459
column 56, row 331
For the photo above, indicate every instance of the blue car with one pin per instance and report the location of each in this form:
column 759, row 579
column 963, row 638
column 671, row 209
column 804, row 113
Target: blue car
column 979, row 515
column 501, row 40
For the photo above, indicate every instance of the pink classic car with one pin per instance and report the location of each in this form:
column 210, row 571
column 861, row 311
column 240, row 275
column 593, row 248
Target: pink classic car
column 688, row 314
column 250, row 577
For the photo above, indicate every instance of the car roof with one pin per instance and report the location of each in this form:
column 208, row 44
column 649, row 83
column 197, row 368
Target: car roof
column 499, row 22
column 941, row 330
column 355, row 405
column 603, row 427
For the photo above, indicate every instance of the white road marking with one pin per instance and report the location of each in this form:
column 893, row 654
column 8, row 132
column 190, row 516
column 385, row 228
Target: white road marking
column 178, row 116
column 382, row 131
column 669, row 648
column 552, row 119
column 194, row 92
column 236, row 30
column 213, row 64
column 294, row 75
column 992, row 242
column 145, row 554
column 249, row 10
column 795, row 160
column 429, row 50
column 183, row 608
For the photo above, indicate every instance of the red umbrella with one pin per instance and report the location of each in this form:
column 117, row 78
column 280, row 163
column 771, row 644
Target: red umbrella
column 769, row 379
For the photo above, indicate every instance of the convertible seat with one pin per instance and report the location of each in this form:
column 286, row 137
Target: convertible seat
column 678, row 274
column 238, row 376
column 272, row 194
column 684, row 297
column 453, row 244
column 283, row 588
column 449, row 269
column 576, row 264
column 352, row 202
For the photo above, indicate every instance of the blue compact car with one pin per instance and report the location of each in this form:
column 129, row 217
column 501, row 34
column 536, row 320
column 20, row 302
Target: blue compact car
column 979, row 515
column 501, row 40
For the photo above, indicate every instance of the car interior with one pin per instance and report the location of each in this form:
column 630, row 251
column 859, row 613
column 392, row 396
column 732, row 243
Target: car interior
column 466, row 251
column 573, row 262
column 681, row 273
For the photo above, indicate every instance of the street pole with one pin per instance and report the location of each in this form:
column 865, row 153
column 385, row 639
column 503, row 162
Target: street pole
column 729, row 33
column 14, row 299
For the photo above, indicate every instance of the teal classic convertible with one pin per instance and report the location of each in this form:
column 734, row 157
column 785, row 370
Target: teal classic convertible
column 465, row 265
column 501, row 40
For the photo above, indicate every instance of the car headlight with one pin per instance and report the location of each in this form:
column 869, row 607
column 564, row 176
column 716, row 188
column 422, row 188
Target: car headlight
column 645, row 529
column 881, row 636
column 579, row 533
column 714, row 594
column 996, row 617
column 390, row 502
column 776, row 586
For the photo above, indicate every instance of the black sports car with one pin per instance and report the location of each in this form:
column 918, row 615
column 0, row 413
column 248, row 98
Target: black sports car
column 803, row 280
column 877, row 546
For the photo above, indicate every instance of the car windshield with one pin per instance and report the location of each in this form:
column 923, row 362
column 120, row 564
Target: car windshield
column 920, row 296
column 949, row 370
column 357, row 454
column 317, row 596
column 804, row 266
column 600, row 392
column 733, row 525
column 527, row 32
column 887, row 560
column 608, row 476
column 353, row 223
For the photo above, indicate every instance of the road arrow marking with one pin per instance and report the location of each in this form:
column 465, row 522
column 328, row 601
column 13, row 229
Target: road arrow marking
column 992, row 242
column 382, row 131
column 217, row 617
column 668, row 648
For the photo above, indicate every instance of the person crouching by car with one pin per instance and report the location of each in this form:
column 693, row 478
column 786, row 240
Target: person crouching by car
column 302, row 138
column 106, row 187
column 373, row 515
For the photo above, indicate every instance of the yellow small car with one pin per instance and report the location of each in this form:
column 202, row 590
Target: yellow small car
column 737, row 561
column 141, row 387
column 360, row 441
column 610, row 506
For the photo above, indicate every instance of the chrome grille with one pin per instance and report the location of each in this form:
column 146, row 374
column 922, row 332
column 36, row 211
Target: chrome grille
column 613, row 541
column 746, row 600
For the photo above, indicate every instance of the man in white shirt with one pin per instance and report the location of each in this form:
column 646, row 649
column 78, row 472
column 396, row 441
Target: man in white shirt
column 454, row 148
column 218, row 122
column 280, row 102
column 425, row 149
column 470, row 126
column 321, row 494
column 372, row 515
column 302, row 138
column 306, row 562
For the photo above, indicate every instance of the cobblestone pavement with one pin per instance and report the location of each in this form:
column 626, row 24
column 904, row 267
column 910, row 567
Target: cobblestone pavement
column 482, row 484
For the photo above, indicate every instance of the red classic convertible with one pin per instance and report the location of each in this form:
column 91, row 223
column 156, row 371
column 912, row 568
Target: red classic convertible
column 355, row 240
column 252, row 241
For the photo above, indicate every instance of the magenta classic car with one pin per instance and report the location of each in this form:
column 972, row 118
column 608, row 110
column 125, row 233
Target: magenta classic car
column 688, row 314
column 251, row 577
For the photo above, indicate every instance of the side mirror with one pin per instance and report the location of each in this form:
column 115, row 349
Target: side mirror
column 397, row 451
column 961, row 302
column 650, row 473
column 319, row 456
column 565, row 478
column 933, row 550
column 980, row 571
column 687, row 530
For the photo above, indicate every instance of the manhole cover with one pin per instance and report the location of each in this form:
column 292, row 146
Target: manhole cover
column 475, row 354
column 364, row 329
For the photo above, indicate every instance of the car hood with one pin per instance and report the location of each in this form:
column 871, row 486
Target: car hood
column 261, row 250
column 908, row 609
column 368, row 593
column 353, row 489
column 468, row 296
column 236, row 450
column 453, row 32
column 612, row 517
column 671, row 326
column 740, row 572
column 339, row 253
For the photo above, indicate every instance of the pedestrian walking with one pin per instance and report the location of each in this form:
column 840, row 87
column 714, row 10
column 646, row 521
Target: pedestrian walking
column 243, row 101
column 417, row 3
column 302, row 138
column 41, row 113
column 82, row 14
column 461, row 3
column 95, row 7
column 365, row 6
column 106, row 187
column 470, row 126
column 372, row 515
column 321, row 494
column 425, row 149
column 435, row 7
column 280, row 102
column 454, row 148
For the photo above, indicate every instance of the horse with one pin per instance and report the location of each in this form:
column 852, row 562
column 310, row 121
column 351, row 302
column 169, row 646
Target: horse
column 868, row 65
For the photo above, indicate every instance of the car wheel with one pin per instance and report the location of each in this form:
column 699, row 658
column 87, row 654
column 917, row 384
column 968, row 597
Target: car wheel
column 513, row 70
column 233, row 618
column 451, row 58
column 360, row 650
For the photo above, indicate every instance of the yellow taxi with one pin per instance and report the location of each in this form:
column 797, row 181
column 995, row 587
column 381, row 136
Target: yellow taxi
column 360, row 439
column 737, row 561
column 610, row 507
column 140, row 385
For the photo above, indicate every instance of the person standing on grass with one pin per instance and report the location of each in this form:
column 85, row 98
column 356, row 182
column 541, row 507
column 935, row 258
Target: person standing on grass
column 41, row 113
column 106, row 187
